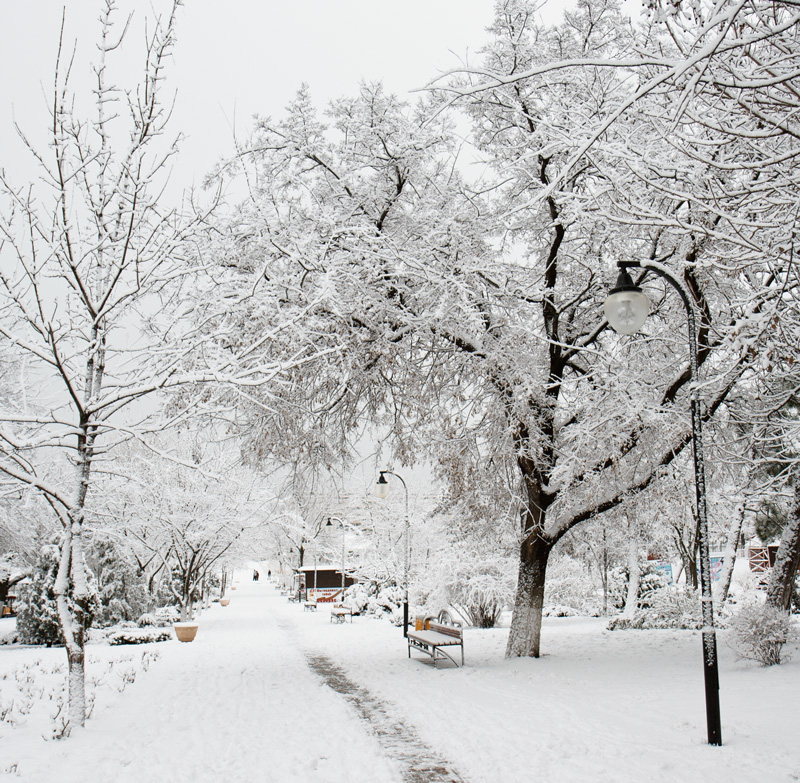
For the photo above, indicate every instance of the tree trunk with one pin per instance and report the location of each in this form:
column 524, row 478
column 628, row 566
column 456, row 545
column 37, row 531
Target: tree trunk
column 70, row 584
column 5, row 587
column 526, row 624
column 732, row 544
column 787, row 561
column 634, row 577
column 77, row 681
column 605, row 572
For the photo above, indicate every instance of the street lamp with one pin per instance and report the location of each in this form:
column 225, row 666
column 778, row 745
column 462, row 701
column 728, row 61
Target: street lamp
column 330, row 524
column 626, row 309
column 382, row 491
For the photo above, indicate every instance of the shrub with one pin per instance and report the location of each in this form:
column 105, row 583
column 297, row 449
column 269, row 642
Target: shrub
column 139, row 636
column 569, row 590
column 167, row 615
column 758, row 632
column 667, row 607
column 480, row 583
column 381, row 600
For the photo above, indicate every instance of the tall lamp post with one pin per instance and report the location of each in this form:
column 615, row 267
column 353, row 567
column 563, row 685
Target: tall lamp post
column 382, row 491
column 626, row 309
column 330, row 524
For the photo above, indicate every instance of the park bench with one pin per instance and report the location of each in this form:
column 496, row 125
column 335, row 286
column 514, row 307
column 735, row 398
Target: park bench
column 309, row 606
column 339, row 613
column 434, row 639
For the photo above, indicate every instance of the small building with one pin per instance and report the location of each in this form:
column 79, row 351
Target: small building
column 761, row 558
column 322, row 583
column 7, row 608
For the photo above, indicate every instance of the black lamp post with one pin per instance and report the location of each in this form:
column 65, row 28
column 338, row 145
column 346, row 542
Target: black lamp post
column 330, row 524
column 626, row 309
column 382, row 491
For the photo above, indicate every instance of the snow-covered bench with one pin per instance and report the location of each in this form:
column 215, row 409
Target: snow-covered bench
column 310, row 606
column 435, row 639
column 339, row 613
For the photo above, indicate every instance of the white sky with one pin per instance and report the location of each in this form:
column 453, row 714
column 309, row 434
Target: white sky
column 235, row 59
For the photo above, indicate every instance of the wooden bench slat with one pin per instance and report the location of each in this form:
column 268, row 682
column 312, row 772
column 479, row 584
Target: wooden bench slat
column 434, row 638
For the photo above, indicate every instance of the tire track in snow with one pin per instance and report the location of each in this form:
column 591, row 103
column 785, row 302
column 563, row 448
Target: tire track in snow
column 418, row 762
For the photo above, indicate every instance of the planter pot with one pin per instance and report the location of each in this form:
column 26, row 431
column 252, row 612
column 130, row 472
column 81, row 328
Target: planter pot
column 224, row 601
column 185, row 631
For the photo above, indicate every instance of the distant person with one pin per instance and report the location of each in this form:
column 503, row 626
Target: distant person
column 255, row 576
column 269, row 574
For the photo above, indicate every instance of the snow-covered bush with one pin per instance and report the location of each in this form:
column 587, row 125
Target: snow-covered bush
column 139, row 636
column 569, row 588
column 167, row 615
column 656, row 597
column 35, row 692
column 758, row 632
column 373, row 598
column 480, row 583
column 560, row 611
column 671, row 606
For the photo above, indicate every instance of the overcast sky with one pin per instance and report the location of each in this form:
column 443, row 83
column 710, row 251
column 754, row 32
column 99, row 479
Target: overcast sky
column 238, row 58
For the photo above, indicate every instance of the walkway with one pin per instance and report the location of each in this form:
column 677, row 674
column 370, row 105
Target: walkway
column 243, row 703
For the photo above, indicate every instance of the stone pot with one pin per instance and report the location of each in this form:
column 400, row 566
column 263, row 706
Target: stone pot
column 224, row 601
column 185, row 631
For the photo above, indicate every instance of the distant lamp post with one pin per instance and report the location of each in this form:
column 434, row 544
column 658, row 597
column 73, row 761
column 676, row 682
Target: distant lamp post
column 626, row 309
column 330, row 524
column 382, row 491
column 316, row 592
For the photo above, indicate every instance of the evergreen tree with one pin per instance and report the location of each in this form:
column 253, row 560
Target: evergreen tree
column 37, row 611
column 121, row 592
column 37, row 614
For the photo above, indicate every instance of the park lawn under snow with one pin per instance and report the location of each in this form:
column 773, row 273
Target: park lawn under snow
column 241, row 704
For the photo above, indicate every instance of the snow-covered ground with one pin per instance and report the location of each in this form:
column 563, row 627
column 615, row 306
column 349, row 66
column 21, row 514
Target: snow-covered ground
column 244, row 703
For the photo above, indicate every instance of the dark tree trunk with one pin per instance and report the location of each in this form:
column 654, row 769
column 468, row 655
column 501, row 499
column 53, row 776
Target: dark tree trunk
column 526, row 625
column 6, row 586
column 787, row 561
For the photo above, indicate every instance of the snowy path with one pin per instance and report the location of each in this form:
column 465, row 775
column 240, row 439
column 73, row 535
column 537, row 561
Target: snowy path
column 268, row 693
column 420, row 764
column 240, row 703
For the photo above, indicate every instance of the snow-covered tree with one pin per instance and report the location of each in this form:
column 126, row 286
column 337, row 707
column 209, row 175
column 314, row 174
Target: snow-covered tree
column 611, row 154
column 38, row 619
column 86, row 250
column 121, row 588
column 188, row 513
column 468, row 323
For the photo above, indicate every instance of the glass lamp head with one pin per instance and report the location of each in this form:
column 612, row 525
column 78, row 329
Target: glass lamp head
column 382, row 487
column 626, row 307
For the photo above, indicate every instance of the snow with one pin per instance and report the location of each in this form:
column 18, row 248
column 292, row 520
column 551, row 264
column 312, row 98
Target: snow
column 244, row 702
